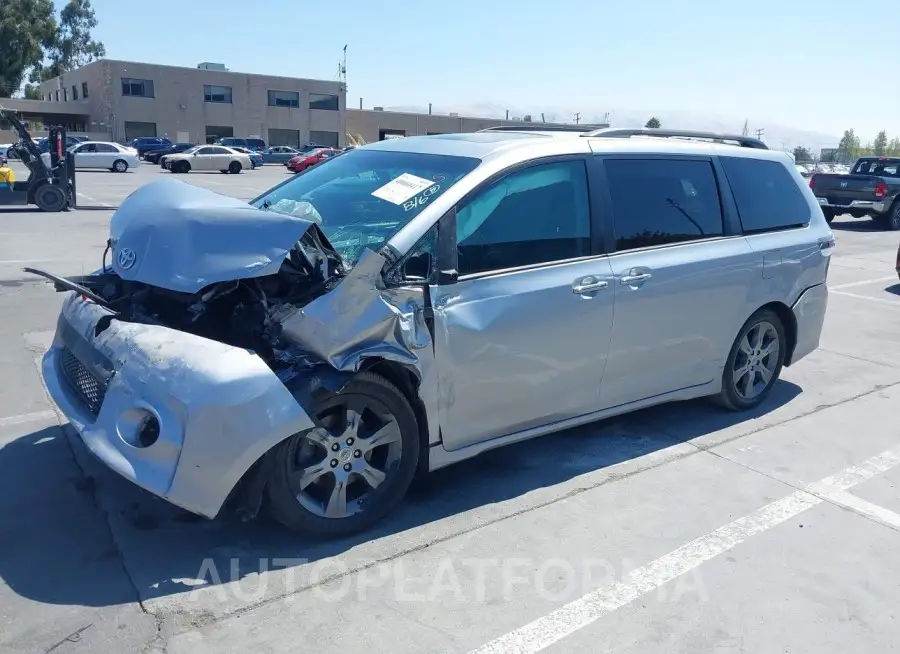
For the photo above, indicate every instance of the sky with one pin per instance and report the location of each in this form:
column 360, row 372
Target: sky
column 791, row 62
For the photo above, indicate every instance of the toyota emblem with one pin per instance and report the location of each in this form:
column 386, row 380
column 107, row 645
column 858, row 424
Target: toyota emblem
column 126, row 258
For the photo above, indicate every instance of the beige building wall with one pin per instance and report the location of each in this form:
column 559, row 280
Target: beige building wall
column 369, row 125
column 178, row 108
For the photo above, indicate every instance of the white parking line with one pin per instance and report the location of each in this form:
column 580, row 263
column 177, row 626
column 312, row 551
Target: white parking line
column 553, row 627
column 27, row 417
column 879, row 300
column 856, row 504
column 94, row 200
column 864, row 282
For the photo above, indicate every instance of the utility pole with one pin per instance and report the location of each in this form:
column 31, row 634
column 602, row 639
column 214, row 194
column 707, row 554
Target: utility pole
column 577, row 117
column 760, row 132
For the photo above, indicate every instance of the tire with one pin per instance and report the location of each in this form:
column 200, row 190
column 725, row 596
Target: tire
column 730, row 396
column 829, row 215
column 234, row 167
column 181, row 167
column 304, row 508
column 120, row 166
column 891, row 220
column 50, row 198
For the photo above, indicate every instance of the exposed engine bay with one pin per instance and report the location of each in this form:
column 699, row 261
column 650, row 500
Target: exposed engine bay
column 245, row 313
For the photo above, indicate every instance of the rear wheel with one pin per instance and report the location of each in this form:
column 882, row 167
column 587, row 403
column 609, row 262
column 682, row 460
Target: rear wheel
column 754, row 363
column 829, row 215
column 891, row 220
column 234, row 167
column 353, row 467
column 50, row 198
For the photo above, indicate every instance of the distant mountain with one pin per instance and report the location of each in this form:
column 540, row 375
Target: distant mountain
column 775, row 135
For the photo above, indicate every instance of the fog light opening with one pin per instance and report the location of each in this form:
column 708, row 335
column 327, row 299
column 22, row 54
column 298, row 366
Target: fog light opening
column 148, row 433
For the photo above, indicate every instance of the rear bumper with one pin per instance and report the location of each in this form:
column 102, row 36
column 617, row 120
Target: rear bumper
column 218, row 408
column 809, row 315
column 861, row 205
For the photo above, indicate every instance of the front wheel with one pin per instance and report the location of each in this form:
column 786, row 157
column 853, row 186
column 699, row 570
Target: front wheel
column 50, row 198
column 754, row 363
column 353, row 468
column 120, row 166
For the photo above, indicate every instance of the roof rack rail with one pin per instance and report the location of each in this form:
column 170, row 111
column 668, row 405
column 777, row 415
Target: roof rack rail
column 538, row 127
column 619, row 132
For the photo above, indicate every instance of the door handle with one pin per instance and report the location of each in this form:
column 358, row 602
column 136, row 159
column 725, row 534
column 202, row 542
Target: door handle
column 635, row 277
column 588, row 284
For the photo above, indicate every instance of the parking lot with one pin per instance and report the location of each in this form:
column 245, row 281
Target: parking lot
column 681, row 528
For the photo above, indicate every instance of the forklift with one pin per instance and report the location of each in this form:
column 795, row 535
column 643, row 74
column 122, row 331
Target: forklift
column 50, row 189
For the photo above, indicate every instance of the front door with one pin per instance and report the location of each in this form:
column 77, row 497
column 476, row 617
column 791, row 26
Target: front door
column 680, row 278
column 85, row 156
column 521, row 339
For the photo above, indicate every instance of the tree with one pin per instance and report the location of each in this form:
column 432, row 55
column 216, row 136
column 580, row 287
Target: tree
column 32, row 92
column 27, row 29
column 653, row 123
column 849, row 148
column 893, row 149
column 527, row 118
column 72, row 46
column 802, row 154
column 879, row 147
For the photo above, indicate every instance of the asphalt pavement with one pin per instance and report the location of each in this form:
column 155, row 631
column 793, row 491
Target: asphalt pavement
column 682, row 528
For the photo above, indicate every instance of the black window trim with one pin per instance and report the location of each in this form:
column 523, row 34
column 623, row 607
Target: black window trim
column 449, row 250
column 730, row 223
column 208, row 95
column 143, row 82
column 273, row 101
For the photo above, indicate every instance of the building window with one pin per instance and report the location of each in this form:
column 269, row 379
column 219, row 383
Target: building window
column 74, row 92
column 385, row 134
column 84, row 91
column 212, row 93
column 326, row 102
column 57, row 95
column 137, row 88
column 290, row 137
column 65, row 95
column 328, row 139
column 284, row 99
column 136, row 130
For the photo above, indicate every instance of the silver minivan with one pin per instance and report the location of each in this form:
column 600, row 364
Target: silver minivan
column 418, row 301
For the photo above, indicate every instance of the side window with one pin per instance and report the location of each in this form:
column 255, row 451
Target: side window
column 663, row 201
column 766, row 194
column 536, row 215
column 206, row 151
column 105, row 147
column 84, row 149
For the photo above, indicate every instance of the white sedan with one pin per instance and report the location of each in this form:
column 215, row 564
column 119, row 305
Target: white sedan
column 100, row 154
column 208, row 157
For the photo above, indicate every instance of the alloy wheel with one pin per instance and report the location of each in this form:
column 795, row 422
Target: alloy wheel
column 756, row 360
column 337, row 467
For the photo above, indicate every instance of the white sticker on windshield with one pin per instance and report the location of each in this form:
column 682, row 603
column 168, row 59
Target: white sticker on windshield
column 402, row 188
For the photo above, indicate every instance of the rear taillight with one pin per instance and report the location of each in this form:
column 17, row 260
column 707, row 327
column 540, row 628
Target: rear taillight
column 812, row 182
column 881, row 190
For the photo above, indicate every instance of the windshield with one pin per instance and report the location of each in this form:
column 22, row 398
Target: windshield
column 364, row 197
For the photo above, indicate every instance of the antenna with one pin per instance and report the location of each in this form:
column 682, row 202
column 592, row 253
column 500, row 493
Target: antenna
column 759, row 133
column 342, row 71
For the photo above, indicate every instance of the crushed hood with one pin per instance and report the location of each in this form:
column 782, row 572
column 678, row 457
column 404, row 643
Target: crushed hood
column 180, row 237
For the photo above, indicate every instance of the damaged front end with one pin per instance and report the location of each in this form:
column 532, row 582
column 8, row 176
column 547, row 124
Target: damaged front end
column 204, row 342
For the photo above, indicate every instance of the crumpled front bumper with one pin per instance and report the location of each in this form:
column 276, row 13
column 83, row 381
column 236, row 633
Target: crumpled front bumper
column 219, row 408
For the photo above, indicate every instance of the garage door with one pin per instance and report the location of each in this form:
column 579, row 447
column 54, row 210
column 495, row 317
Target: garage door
column 289, row 137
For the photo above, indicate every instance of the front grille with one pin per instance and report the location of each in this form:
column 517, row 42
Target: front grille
column 90, row 389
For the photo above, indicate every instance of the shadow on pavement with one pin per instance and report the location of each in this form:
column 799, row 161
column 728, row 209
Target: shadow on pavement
column 57, row 547
column 857, row 226
column 893, row 289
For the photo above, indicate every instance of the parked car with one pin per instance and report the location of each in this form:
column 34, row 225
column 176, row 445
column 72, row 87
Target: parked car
column 254, row 144
column 257, row 145
column 208, row 157
column 103, row 155
column 280, row 154
column 7, row 150
column 155, row 156
column 43, row 143
column 145, row 144
column 871, row 189
column 301, row 162
column 256, row 158
column 422, row 300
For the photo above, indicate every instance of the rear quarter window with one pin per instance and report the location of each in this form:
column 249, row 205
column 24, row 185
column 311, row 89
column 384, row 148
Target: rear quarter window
column 766, row 195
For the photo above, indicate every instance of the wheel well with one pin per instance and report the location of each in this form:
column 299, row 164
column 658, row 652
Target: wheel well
column 790, row 326
column 406, row 381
